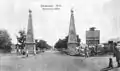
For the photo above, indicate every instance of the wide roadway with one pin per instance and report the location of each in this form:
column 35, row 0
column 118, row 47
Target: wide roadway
column 53, row 61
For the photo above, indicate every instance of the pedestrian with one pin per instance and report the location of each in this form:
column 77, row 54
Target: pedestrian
column 23, row 52
column 117, row 55
column 118, row 62
column 19, row 51
column 86, row 52
column 26, row 53
column 34, row 52
column 110, row 63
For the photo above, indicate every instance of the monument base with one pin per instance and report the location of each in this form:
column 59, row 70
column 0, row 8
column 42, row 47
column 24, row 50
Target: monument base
column 72, row 48
column 30, row 48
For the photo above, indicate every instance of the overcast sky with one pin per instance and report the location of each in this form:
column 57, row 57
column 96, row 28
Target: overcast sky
column 51, row 25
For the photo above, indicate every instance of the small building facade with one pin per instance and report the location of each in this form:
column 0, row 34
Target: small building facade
column 92, row 37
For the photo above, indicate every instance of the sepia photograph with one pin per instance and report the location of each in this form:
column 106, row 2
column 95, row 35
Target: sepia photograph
column 59, row 35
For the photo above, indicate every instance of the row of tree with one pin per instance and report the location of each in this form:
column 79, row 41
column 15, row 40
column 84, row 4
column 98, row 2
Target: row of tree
column 42, row 44
column 6, row 44
column 5, row 41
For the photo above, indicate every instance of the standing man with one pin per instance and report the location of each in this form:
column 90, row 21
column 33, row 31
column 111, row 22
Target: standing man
column 117, row 55
column 96, row 48
column 110, row 63
column 86, row 52
column 118, row 62
column 34, row 51
column 27, row 53
column 19, row 50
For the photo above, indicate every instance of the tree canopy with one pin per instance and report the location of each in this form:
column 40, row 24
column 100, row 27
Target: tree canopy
column 42, row 44
column 21, row 38
column 5, row 41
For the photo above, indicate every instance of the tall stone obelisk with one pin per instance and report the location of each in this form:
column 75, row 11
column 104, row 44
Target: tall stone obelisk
column 72, row 38
column 30, row 43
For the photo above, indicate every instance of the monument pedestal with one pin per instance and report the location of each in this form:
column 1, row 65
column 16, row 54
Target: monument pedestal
column 72, row 48
column 30, row 44
column 30, row 47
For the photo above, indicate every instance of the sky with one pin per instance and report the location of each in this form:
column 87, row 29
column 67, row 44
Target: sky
column 50, row 25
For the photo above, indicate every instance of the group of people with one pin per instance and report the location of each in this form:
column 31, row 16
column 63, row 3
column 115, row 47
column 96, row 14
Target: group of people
column 116, row 54
column 88, row 52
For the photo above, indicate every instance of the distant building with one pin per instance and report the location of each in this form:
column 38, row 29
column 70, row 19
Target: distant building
column 92, row 37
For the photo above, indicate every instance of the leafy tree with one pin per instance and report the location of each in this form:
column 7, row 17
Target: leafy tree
column 62, row 43
column 42, row 44
column 21, row 39
column 5, row 41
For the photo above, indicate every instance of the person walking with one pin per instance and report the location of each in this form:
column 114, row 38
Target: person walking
column 110, row 63
column 86, row 52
